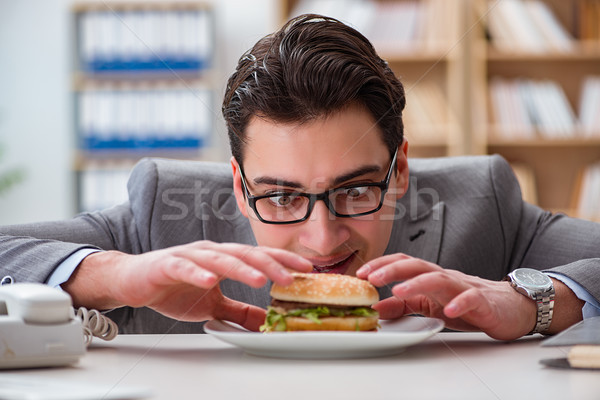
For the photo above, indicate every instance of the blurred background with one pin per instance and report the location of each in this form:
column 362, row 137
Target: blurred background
column 87, row 88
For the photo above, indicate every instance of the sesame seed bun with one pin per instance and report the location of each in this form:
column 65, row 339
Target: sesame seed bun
column 332, row 289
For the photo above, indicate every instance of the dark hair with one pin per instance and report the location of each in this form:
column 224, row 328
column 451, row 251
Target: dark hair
column 312, row 67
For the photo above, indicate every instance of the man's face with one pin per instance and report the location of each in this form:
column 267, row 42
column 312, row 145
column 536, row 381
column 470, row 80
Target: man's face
column 327, row 153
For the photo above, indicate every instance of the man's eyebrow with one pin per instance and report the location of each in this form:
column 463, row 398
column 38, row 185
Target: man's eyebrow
column 268, row 180
column 367, row 169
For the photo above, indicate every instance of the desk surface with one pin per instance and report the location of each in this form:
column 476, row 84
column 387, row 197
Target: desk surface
column 447, row 366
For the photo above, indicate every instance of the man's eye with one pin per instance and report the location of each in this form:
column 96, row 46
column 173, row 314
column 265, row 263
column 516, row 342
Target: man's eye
column 281, row 201
column 356, row 191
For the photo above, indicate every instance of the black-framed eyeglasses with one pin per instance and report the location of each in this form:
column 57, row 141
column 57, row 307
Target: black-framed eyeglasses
column 346, row 201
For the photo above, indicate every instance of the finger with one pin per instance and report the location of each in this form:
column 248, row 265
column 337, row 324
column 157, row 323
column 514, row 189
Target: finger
column 249, row 316
column 225, row 265
column 273, row 263
column 390, row 308
column 439, row 285
column 278, row 264
column 177, row 269
column 261, row 261
column 400, row 270
column 394, row 307
column 379, row 262
column 469, row 301
column 289, row 259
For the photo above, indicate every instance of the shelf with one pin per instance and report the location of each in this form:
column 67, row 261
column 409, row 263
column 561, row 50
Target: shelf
column 171, row 78
column 438, row 142
column 119, row 6
column 580, row 53
column 500, row 76
column 82, row 82
column 84, row 158
column 143, row 85
column 414, row 57
column 576, row 142
column 463, row 73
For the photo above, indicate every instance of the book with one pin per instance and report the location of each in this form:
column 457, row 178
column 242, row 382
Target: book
column 553, row 33
column 144, row 117
column 584, row 356
column 521, row 107
column 589, row 104
column 588, row 203
column 427, row 115
column 394, row 27
column 527, row 27
column 584, row 337
column 103, row 184
column 144, row 40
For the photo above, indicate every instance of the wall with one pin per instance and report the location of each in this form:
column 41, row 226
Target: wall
column 36, row 122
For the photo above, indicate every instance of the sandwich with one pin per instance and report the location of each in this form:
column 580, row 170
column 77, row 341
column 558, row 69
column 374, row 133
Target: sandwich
column 322, row 302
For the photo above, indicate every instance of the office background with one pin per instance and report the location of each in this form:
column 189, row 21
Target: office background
column 458, row 59
column 36, row 104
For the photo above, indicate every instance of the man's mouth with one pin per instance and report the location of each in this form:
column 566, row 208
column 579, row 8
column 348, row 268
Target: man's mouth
column 335, row 267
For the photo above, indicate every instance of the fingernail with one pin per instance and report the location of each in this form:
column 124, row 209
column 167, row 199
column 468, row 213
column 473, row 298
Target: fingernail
column 379, row 274
column 401, row 288
column 365, row 269
column 256, row 274
column 207, row 275
column 451, row 308
column 285, row 273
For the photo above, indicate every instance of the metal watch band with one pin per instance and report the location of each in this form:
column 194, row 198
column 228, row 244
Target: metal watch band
column 545, row 309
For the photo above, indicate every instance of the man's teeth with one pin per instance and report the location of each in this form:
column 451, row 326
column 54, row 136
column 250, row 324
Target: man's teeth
column 329, row 266
column 323, row 269
column 325, row 266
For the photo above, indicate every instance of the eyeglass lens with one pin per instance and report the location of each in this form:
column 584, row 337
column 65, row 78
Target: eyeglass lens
column 344, row 201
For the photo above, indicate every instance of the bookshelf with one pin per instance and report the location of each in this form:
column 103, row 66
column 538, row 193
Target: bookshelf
column 142, row 85
column 420, row 41
column 465, row 50
column 552, row 138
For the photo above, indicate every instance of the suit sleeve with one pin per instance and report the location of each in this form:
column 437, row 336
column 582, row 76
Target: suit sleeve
column 31, row 252
column 539, row 239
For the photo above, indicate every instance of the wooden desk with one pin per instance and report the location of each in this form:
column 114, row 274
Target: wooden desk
column 447, row 366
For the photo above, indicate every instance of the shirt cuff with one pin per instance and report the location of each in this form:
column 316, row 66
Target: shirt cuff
column 591, row 308
column 63, row 272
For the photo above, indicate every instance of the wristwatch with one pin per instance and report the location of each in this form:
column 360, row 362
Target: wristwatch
column 538, row 287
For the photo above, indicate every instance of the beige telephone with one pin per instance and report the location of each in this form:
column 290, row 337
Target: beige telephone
column 38, row 327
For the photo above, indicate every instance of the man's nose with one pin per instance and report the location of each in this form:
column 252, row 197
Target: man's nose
column 323, row 232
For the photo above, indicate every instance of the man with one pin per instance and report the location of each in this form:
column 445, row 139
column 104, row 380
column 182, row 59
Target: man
column 320, row 182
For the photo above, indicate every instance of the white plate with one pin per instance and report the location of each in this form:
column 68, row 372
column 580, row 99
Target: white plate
column 392, row 338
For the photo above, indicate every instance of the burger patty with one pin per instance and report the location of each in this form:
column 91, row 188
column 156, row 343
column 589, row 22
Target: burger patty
column 293, row 305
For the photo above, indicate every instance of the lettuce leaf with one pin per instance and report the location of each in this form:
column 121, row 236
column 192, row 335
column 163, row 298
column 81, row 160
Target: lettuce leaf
column 275, row 321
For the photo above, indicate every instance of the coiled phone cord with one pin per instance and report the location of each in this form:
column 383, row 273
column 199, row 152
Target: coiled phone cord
column 96, row 325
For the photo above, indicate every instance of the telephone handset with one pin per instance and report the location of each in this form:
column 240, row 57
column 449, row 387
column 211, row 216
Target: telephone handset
column 38, row 327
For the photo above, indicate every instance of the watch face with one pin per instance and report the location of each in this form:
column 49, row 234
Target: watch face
column 532, row 278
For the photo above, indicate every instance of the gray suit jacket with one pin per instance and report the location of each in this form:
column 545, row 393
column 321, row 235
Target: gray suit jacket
column 463, row 213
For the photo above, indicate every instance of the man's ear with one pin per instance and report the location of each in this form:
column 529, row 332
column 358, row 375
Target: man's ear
column 402, row 172
column 238, row 191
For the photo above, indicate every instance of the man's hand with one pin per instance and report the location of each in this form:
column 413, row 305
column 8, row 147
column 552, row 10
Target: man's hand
column 182, row 282
column 463, row 301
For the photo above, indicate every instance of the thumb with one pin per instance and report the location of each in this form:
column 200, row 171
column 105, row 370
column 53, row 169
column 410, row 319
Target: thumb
column 249, row 316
